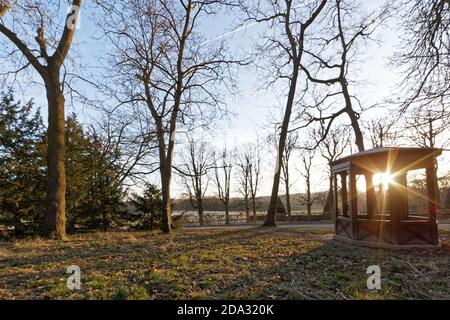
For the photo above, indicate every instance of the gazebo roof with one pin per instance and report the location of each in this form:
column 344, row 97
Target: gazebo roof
column 386, row 158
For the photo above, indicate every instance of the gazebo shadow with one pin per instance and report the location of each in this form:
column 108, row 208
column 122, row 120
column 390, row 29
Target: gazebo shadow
column 339, row 271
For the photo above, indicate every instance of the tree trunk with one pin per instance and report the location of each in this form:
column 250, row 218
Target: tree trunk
column 287, row 187
column 431, row 139
column 308, row 198
column 152, row 219
column 437, row 191
column 227, row 213
column 288, row 201
column 55, row 222
column 18, row 227
column 247, row 209
column 105, row 222
column 359, row 139
column 166, row 212
column 308, row 207
column 271, row 212
column 329, row 204
column 254, row 208
column 200, row 212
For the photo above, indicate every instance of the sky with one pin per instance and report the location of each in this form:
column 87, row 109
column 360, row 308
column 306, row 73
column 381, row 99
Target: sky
column 253, row 112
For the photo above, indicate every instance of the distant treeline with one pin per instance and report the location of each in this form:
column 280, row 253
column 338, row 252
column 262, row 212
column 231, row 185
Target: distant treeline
column 262, row 203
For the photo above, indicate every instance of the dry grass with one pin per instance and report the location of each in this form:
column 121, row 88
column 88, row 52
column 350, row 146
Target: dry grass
column 216, row 264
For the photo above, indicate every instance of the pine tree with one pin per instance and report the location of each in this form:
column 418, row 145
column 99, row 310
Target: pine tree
column 77, row 146
column 94, row 190
column 148, row 206
column 22, row 165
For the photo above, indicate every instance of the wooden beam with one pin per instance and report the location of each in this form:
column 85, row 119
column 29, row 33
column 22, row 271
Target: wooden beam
column 370, row 195
column 354, row 204
column 398, row 205
column 344, row 195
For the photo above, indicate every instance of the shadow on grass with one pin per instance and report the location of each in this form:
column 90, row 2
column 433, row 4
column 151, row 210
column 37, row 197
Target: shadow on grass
column 333, row 271
column 258, row 263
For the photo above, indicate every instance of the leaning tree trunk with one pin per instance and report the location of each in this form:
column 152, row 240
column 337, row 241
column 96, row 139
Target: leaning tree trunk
column 359, row 139
column 55, row 222
column 271, row 212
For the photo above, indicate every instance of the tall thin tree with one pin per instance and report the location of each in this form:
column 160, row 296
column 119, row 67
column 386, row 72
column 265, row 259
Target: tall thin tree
column 243, row 177
column 222, row 178
column 285, row 48
column 160, row 61
column 196, row 161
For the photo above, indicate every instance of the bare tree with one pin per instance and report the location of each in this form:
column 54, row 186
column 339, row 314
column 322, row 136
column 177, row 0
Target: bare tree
column 222, row 178
column 428, row 129
column 197, row 160
column 255, row 175
column 250, row 176
column 243, row 177
column 19, row 21
column 382, row 132
column 289, row 22
column 331, row 149
column 161, row 62
column 289, row 148
column 333, row 55
column 308, row 198
column 133, row 145
column 330, row 57
column 424, row 56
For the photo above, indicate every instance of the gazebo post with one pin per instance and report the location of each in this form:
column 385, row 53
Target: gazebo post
column 398, row 205
column 336, row 195
column 344, row 195
column 354, row 204
column 370, row 195
column 432, row 203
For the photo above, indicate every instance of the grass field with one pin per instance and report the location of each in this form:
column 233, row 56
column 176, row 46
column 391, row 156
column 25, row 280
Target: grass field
column 218, row 264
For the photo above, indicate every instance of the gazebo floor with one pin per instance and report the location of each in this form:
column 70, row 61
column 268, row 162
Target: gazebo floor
column 382, row 245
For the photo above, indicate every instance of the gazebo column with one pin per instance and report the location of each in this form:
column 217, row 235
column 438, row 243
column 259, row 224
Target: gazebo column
column 370, row 196
column 336, row 200
column 432, row 203
column 344, row 195
column 398, row 205
column 354, row 205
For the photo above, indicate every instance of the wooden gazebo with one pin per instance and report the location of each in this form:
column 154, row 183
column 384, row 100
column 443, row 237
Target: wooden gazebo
column 382, row 215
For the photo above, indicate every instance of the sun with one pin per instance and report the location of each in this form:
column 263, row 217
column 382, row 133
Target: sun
column 384, row 179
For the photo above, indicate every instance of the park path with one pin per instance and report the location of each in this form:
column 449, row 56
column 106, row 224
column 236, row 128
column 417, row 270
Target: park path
column 442, row 226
